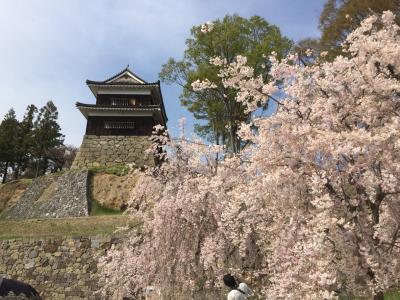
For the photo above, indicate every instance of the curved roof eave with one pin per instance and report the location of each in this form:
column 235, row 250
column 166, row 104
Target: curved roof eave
column 126, row 70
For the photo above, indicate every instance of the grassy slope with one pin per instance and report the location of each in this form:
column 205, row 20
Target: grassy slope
column 85, row 226
column 392, row 296
column 97, row 209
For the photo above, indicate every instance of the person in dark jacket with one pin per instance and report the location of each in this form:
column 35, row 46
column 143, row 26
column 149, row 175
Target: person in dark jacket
column 18, row 288
column 238, row 291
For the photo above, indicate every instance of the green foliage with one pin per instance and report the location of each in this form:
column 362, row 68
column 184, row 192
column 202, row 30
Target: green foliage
column 32, row 146
column 46, row 134
column 97, row 209
column 25, row 141
column 119, row 170
column 8, row 138
column 340, row 17
column 217, row 110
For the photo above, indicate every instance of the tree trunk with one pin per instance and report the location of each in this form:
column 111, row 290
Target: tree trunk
column 5, row 173
column 16, row 172
column 379, row 296
column 233, row 133
column 217, row 142
column 37, row 167
column 45, row 165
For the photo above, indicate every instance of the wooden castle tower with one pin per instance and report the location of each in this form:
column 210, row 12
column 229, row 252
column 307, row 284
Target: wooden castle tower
column 120, row 123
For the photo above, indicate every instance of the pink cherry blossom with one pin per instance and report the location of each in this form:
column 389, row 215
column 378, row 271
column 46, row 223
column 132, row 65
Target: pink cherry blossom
column 310, row 209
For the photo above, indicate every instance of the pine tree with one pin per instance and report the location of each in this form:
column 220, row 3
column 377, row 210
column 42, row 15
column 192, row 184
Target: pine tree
column 8, row 138
column 46, row 135
column 25, row 143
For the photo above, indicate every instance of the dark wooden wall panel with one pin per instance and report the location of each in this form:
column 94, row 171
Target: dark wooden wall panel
column 143, row 126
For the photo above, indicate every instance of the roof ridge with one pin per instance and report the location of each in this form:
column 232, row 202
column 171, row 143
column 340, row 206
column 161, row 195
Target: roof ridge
column 117, row 75
column 91, row 82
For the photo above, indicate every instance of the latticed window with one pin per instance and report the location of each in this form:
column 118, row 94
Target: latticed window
column 123, row 101
column 119, row 125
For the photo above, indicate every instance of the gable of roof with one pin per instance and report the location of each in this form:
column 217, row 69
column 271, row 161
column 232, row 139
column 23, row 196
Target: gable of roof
column 127, row 79
column 126, row 76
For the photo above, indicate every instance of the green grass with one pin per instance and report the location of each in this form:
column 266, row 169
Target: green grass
column 72, row 227
column 395, row 295
column 98, row 210
column 26, row 181
column 119, row 170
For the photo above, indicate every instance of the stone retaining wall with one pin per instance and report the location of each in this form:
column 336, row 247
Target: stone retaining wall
column 54, row 196
column 58, row 268
column 112, row 150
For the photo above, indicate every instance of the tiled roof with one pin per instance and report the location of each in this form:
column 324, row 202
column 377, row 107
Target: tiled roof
column 128, row 81
column 91, row 82
column 108, row 107
column 87, row 108
column 126, row 70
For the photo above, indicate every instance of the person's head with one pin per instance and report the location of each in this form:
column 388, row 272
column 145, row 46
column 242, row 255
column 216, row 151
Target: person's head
column 230, row 281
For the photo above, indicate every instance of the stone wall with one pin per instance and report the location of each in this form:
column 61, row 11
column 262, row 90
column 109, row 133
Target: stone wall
column 113, row 150
column 54, row 196
column 58, row 268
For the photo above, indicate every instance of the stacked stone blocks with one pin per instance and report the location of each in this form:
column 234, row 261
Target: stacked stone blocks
column 58, row 195
column 98, row 151
column 59, row 268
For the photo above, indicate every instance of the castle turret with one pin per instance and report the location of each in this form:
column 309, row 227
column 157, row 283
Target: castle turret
column 120, row 123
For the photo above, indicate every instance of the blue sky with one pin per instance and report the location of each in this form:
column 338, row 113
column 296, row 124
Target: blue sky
column 48, row 48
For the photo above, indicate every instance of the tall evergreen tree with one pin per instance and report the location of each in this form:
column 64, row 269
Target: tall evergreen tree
column 46, row 135
column 25, row 142
column 8, row 138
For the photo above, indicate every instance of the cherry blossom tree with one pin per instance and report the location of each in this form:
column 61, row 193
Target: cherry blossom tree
column 309, row 210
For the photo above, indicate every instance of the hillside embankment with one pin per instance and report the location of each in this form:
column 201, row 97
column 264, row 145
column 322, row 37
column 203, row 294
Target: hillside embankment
column 112, row 191
column 72, row 193
column 11, row 192
column 54, row 229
